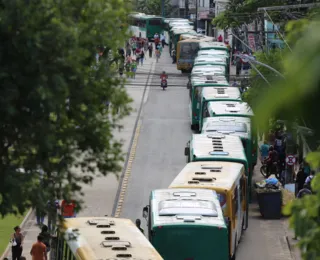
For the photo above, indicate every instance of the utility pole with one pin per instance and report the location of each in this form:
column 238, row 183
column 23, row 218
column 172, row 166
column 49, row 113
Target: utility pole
column 162, row 8
column 186, row 9
column 197, row 1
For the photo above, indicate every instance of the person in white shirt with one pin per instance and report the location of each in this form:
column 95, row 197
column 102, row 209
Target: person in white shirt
column 162, row 39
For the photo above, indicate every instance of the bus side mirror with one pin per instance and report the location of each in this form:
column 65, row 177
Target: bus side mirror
column 145, row 212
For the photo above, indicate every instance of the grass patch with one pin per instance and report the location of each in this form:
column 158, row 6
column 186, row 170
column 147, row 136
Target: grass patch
column 6, row 229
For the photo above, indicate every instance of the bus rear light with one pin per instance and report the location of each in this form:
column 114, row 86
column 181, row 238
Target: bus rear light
column 160, row 227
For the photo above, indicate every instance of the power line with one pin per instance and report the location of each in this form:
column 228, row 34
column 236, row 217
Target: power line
column 284, row 7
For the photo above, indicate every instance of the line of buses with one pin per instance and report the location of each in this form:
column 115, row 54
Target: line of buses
column 204, row 211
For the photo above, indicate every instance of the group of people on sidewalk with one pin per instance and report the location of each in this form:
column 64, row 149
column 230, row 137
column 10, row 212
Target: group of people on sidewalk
column 41, row 248
column 274, row 151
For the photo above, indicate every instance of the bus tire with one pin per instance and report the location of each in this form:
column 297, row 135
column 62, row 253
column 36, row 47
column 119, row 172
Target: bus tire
column 195, row 127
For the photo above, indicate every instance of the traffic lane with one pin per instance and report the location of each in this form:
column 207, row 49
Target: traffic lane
column 100, row 195
column 160, row 150
column 264, row 239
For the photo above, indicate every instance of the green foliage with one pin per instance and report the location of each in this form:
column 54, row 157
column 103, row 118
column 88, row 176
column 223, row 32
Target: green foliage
column 53, row 116
column 239, row 12
column 154, row 7
column 258, row 85
column 298, row 97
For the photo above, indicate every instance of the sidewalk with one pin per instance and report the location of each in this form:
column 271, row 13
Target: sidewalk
column 99, row 197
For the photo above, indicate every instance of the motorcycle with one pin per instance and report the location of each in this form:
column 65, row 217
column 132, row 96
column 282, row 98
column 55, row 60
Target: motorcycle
column 164, row 84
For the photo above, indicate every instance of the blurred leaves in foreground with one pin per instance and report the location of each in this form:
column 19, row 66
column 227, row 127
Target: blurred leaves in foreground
column 297, row 97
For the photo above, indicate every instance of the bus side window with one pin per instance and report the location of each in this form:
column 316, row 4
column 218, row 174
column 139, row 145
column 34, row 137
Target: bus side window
column 206, row 111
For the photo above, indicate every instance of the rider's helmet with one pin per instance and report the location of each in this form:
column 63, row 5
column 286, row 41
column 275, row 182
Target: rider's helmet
column 163, row 72
column 270, row 148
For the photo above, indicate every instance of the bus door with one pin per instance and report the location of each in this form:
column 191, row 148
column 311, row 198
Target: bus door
column 244, row 200
column 236, row 216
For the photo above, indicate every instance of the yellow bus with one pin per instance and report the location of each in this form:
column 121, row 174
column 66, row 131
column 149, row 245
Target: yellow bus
column 102, row 238
column 229, row 181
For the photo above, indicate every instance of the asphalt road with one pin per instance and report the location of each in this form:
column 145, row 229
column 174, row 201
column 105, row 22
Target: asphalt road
column 159, row 157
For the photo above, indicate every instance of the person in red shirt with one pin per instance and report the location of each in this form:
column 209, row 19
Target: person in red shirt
column 163, row 76
column 68, row 209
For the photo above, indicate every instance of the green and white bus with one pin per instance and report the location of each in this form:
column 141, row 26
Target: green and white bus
column 172, row 22
column 214, row 46
column 175, row 36
column 197, row 84
column 238, row 126
column 229, row 181
column 187, row 224
column 215, row 147
column 224, row 108
column 216, row 53
column 208, row 70
column 145, row 26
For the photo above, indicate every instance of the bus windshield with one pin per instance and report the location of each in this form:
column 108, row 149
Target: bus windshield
column 189, row 50
column 155, row 22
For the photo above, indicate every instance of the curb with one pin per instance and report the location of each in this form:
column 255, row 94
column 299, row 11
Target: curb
column 6, row 251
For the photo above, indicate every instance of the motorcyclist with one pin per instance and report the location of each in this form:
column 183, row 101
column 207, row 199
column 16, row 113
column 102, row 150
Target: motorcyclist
column 163, row 76
column 271, row 159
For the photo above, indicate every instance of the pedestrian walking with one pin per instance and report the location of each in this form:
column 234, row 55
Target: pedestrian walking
column 134, row 47
column 40, row 214
column 141, row 57
column 46, row 237
column 17, row 243
column 133, row 69
column 150, row 49
column 173, row 56
column 38, row 250
column 264, row 150
column 163, row 39
column 53, row 207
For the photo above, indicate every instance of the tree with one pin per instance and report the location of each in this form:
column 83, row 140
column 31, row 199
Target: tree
column 154, row 7
column 55, row 130
column 239, row 12
column 298, row 97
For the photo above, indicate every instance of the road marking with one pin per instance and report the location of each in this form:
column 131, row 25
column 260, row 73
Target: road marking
column 128, row 171
column 120, row 197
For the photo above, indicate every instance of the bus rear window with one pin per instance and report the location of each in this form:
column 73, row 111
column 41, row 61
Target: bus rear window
column 244, row 144
column 155, row 22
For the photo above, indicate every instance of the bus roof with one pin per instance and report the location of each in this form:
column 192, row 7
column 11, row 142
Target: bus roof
column 145, row 16
column 230, row 108
column 209, row 80
column 239, row 126
column 217, row 147
column 177, row 30
column 208, row 70
column 215, row 93
column 212, row 52
column 210, row 59
column 221, row 175
column 186, row 206
column 92, row 242
column 213, row 45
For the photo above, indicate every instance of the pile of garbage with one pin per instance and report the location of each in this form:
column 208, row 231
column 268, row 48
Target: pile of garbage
column 269, row 185
column 273, row 185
